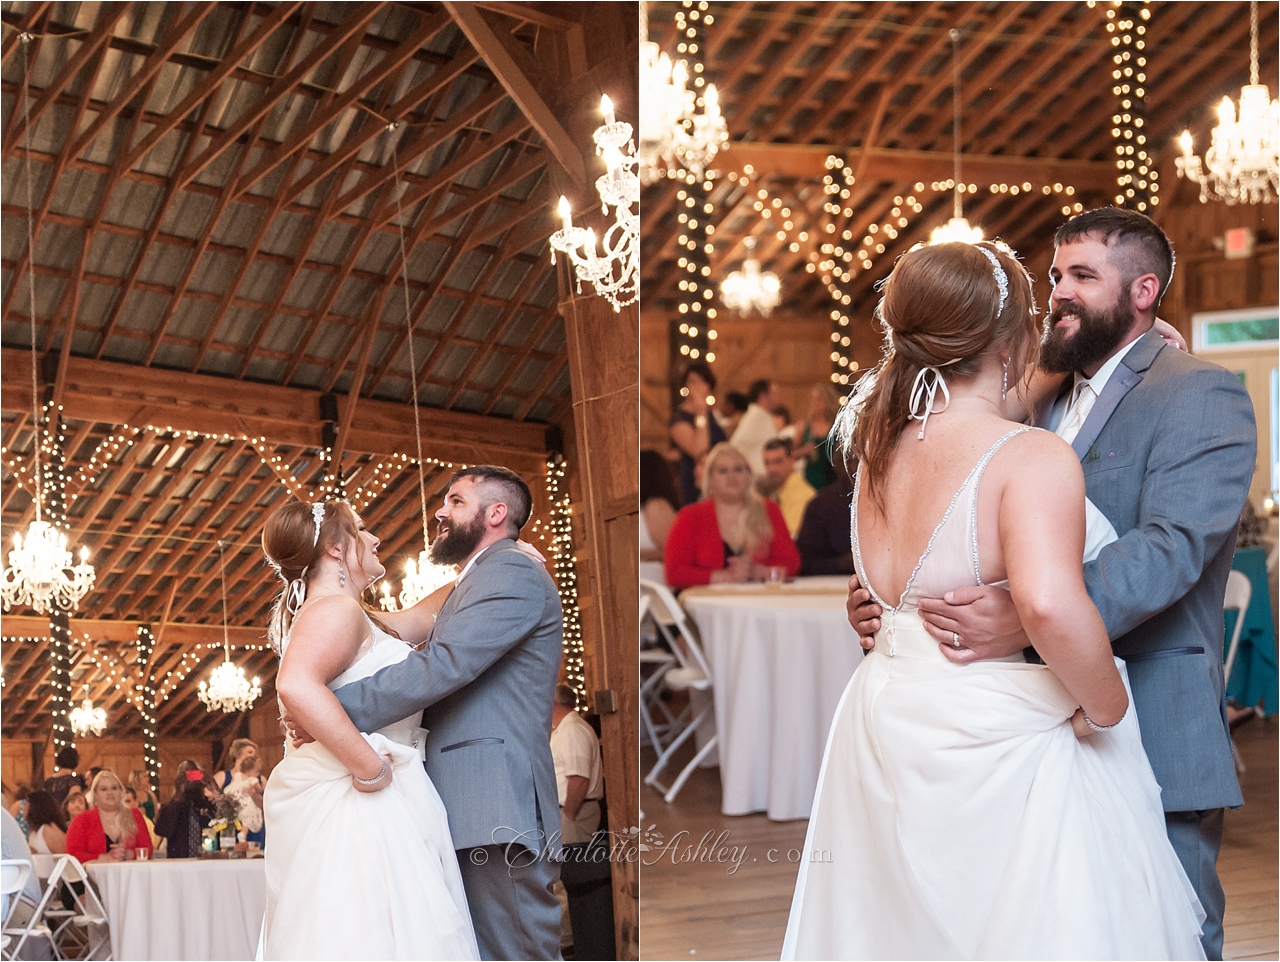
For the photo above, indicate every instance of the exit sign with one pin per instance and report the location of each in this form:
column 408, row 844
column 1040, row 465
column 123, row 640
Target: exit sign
column 1238, row 243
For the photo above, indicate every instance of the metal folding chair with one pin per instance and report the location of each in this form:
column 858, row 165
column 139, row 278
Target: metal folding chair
column 37, row 924
column 656, row 720
column 1239, row 592
column 86, row 932
column 694, row 674
column 13, row 880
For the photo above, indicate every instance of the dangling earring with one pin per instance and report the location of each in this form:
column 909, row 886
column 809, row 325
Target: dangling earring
column 342, row 576
column 1004, row 384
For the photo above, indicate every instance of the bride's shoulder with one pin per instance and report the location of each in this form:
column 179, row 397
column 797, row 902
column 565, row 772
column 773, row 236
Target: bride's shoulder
column 1040, row 457
column 330, row 614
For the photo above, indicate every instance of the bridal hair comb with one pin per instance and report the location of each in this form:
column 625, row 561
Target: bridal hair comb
column 317, row 513
column 1002, row 279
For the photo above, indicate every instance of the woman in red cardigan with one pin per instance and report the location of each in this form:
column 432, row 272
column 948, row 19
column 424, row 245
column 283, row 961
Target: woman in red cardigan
column 732, row 535
column 109, row 829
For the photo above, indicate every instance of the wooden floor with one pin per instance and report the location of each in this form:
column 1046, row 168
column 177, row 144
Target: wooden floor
column 719, row 887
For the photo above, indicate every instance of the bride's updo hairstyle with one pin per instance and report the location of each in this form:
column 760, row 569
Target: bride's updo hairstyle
column 940, row 309
column 292, row 546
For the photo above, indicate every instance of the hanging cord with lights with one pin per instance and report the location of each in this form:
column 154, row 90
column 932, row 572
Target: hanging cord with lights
column 227, row 688
column 40, row 574
column 1137, row 181
column 562, row 561
column 1242, row 164
column 693, row 332
column 145, row 688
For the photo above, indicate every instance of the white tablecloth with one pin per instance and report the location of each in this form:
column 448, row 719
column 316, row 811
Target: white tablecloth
column 780, row 660
column 183, row 908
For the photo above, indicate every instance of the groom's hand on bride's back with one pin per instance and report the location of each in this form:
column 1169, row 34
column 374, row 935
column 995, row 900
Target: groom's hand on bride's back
column 864, row 613
column 981, row 618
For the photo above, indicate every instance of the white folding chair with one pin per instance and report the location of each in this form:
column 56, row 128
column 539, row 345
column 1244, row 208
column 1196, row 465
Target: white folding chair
column 656, row 720
column 86, row 932
column 37, row 923
column 1239, row 591
column 14, row 873
column 694, row 674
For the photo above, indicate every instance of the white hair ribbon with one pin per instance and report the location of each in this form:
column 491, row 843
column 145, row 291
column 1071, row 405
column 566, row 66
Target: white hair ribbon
column 1002, row 279
column 317, row 515
column 296, row 593
column 924, row 391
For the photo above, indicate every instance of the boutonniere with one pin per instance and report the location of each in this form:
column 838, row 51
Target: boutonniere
column 1092, row 456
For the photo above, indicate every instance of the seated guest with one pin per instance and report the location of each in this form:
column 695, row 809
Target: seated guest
column 73, row 804
column 131, row 801
column 575, row 750
column 185, row 815
column 658, row 503
column 245, row 790
column 732, row 535
column 814, row 444
column 14, row 847
column 67, row 760
column 735, row 406
column 109, row 829
column 825, row 543
column 47, row 833
column 782, row 426
column 783, row 485
column 140, row 782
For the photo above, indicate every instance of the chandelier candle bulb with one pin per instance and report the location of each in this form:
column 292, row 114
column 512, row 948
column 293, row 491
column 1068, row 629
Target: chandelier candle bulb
column 606, row 108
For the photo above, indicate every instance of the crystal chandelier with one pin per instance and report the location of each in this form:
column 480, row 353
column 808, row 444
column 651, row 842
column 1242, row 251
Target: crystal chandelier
column 421, row 578
column 227, row 688
column 957, row 229
column 87, row 719
column 751, row 289
column 1243, row 161
column 41, row 575
column 616, row 275
column 673, row 135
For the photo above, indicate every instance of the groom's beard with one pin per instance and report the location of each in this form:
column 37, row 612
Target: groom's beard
column 456, row 542
column 1098, row 334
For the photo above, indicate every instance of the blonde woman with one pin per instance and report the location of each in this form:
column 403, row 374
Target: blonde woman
column 109, row 829
column 732, row 535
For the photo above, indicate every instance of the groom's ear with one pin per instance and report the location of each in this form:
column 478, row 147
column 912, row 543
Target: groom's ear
column 496, row 515
column 1144, row 292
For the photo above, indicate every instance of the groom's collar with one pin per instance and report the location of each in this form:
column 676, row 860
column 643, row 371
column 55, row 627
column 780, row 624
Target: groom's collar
column 1143, row 352
column 480, row 556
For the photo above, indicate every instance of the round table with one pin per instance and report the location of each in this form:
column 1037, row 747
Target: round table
column 183, row 908
column 780, row 659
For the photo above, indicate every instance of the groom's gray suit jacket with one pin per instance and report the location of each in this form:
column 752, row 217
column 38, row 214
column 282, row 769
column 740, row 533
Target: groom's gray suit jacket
column 486, row 680
column 1168, row 453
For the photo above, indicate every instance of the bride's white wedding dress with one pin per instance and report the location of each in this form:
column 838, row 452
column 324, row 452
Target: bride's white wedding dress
column 352, row 875
column 957, row 816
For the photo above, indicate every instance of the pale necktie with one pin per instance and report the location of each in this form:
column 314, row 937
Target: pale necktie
column 1079, row 410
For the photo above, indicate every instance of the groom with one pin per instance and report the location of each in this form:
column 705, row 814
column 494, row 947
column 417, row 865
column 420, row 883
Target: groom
column 1167, row 442
column 486, row 679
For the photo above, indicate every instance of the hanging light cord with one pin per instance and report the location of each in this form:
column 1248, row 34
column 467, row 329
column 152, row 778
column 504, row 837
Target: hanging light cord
column 1253, row 42
column 31, row 261
column 222, row 576
column 408, row 323
column 955, row 110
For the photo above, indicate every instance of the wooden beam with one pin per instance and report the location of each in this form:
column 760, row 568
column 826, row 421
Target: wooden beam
column 502, row 60
column 903, row 166
column 108, row 392
column 188, row 636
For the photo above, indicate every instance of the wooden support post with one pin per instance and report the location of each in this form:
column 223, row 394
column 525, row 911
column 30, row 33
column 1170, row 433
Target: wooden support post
column 603, row 370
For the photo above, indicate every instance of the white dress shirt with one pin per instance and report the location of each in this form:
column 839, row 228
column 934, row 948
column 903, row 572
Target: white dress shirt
column 1086, row 391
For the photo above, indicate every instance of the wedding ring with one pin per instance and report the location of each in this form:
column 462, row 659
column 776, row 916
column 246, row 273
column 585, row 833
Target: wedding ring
column 955, row 640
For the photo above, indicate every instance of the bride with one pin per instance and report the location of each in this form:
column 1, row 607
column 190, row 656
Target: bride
column 360, row 865
column 1000, row 809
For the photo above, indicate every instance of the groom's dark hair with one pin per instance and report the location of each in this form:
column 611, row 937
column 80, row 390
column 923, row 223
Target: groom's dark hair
column 1141, row 247
column 511, row 489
